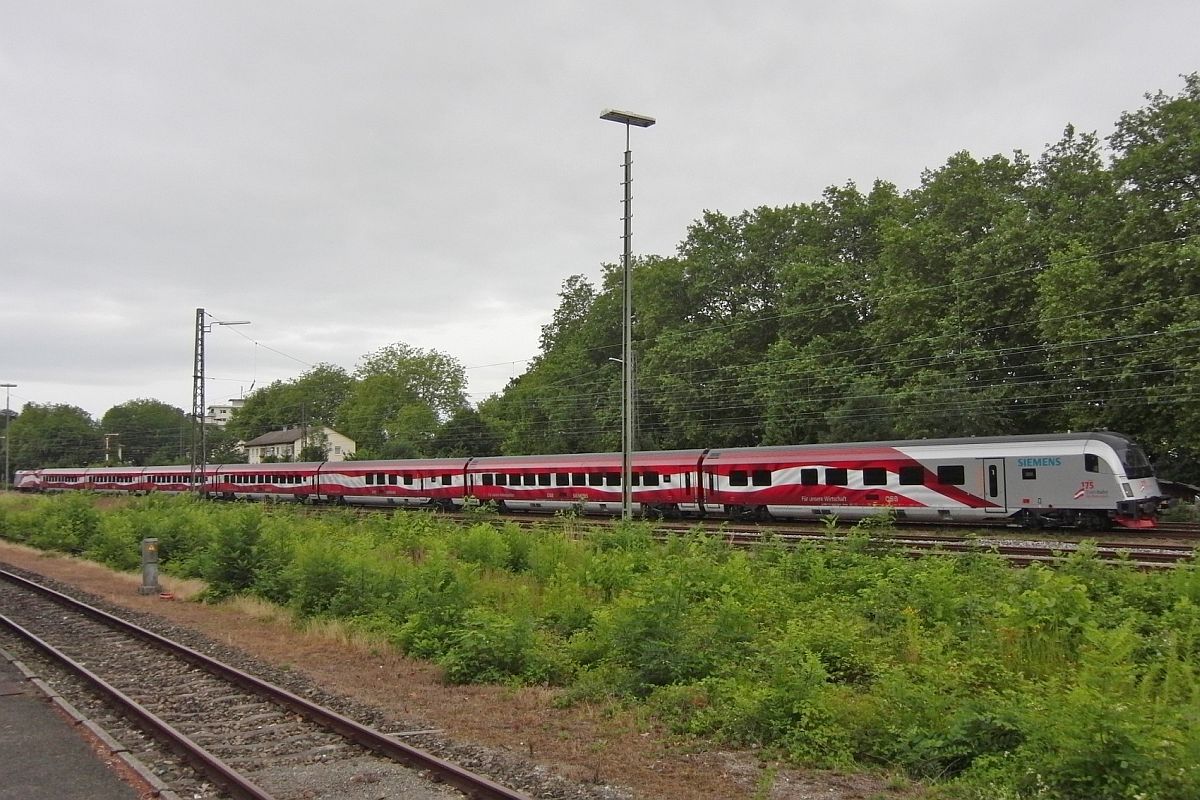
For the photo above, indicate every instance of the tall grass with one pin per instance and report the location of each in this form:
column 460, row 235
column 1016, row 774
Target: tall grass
column 1074, row 682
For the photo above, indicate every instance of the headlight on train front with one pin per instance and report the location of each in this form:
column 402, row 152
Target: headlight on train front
column 1128, row 491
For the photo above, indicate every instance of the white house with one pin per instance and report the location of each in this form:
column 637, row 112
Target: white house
column 287, row 444
column 219, row 415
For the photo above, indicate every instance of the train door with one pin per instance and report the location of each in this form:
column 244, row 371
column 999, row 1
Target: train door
column 710, row 495
column 994, row 488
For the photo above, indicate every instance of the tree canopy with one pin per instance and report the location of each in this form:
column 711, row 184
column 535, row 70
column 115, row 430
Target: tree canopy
column 1002, row 295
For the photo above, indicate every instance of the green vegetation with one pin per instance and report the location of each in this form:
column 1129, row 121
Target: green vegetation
column 984, row 680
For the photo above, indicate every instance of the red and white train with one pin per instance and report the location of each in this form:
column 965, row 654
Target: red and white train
column 1091, row 480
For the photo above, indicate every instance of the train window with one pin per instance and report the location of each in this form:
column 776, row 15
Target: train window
column 562, row 479
column 739, row 477
column 543, row 479
column 595, row 479
column 874, row 476
column 612, row 478
column 514, row 479
column 486, row 479
column 1091, row 462
column 530, row 479
column 447, row 479
column 761, row 477
column 501, row 479
column 952, row 475
column 1029, row 474
column 1135, row 463
column 836, row 476
column 650, row 478
column 912, row 476
column 808, row 477
column 578, row 479
column 408, row 480
column 370, row 479
column 635, row 479
column 393, row 480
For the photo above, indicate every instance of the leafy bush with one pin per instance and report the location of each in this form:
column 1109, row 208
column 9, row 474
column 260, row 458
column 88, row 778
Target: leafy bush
column 1073, row 682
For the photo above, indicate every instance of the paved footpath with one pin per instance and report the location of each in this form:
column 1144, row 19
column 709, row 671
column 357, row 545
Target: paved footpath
column 43, row 753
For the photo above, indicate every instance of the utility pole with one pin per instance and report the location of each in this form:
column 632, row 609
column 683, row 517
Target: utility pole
column 8, row 387
column 199, row 430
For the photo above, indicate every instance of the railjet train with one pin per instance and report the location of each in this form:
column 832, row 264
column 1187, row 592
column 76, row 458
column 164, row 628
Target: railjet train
column 1087, row 480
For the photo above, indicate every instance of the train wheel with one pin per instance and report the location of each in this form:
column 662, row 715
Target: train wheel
column 1030, row 519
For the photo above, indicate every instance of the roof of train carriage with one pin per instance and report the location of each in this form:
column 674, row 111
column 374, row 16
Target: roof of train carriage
column 395, row 464
column 274, row 466
column 641, row 458
column 1118, row 441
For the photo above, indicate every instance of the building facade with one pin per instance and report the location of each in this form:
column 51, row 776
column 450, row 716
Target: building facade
column 287, row 445
column 220, row 415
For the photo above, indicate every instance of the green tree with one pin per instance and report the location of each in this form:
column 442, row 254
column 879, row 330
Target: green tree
column 315, row 398
column 54, row 436
column 467, row 433
column 147, row 432
column 400, row 396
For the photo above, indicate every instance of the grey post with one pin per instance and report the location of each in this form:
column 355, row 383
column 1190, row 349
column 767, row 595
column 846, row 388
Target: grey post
column 627, row 444
column 149, row 567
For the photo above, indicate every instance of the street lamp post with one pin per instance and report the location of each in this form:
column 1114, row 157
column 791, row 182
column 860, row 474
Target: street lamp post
column 199, row 432
column 640, row 121
column 8, row 387
column 108, row 437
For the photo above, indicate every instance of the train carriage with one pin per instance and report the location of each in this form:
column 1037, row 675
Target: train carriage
column 27, row 480
column 663, row 483
column 286, row 481
column 1087, row 479
column 1090, row 480
column 169, row 480
column 437, row 482
column 63, row 479
column 118, row 480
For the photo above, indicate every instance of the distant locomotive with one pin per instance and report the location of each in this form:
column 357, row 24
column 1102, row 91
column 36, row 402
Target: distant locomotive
column 1088, row 480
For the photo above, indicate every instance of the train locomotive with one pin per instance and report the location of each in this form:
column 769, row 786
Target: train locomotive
column 1087, row 480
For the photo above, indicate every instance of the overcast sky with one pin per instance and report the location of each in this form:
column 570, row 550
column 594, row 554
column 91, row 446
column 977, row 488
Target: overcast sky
column 347, row 175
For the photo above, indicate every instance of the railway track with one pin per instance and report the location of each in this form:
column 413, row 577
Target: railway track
column 912, row 541
column 233, row 735
column 1142, row 555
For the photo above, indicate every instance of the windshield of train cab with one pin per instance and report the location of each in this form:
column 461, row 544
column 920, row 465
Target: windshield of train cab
column 1135, row 462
